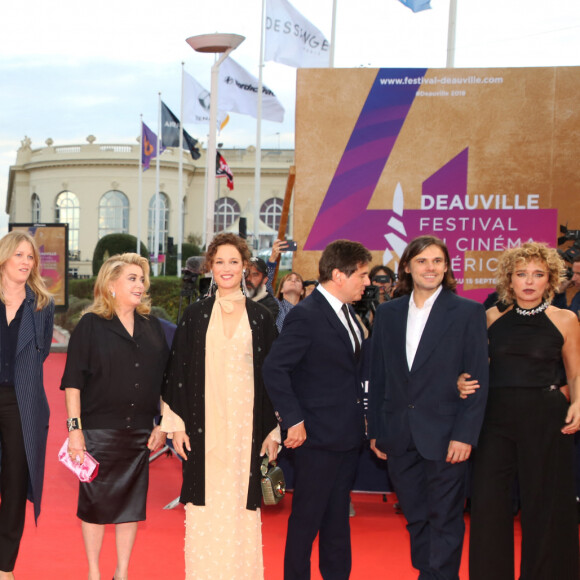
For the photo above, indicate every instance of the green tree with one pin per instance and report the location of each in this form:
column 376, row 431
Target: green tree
column 113, row 244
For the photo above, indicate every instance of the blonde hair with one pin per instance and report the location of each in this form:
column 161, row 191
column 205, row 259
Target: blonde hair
column 527, row 253
column 111, row 270
column 8, row 245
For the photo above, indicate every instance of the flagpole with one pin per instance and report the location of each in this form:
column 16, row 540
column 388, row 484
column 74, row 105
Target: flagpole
column 258, row 164
column 157, row 186
column 451, row 33
column 212, row 148
column 204, row 233
column 221, row 44
column 333, row 34
column 180, row 183
column 140, row 192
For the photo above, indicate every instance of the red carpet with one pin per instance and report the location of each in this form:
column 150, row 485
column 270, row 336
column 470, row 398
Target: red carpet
column 54, row 550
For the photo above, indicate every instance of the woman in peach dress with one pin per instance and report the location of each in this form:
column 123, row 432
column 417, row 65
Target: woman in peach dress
column 222, row 420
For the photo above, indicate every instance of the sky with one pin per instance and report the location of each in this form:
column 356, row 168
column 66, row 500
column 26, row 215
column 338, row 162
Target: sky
column 70, row 69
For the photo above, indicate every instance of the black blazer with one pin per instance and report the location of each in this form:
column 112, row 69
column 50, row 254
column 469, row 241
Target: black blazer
column 311, row 375
column 424, row 401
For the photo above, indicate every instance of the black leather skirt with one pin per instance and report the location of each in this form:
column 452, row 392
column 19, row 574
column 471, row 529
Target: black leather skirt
column 119, row 492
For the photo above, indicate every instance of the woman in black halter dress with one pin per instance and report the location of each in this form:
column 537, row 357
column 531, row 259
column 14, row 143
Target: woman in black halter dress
column 527, row 427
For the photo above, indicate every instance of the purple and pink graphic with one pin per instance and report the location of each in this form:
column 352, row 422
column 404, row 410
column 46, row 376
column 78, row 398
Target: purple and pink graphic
column 475, row 227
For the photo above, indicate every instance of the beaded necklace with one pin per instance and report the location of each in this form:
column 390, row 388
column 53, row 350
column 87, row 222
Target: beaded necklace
column 531, row 311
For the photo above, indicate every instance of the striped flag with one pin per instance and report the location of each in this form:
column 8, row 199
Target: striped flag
column 222, row 169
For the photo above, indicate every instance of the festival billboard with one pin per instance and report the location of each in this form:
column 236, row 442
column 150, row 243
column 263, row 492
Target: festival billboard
column 483, row 158
column 52, row 243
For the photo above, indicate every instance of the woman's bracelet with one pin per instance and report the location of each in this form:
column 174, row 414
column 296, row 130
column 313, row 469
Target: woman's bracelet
column 73, row 424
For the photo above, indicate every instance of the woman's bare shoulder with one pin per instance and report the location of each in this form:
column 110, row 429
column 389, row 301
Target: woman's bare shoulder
column 564, row 320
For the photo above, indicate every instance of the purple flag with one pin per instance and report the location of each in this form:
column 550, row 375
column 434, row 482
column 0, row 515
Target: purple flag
column 148, row 146
column 417, row 5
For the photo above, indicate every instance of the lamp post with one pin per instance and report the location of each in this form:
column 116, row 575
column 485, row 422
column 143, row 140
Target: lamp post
column 221, row 44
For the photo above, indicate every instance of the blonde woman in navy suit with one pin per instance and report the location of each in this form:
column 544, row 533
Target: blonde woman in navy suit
column 26, row 318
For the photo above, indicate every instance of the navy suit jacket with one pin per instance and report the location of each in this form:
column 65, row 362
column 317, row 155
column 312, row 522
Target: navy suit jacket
column 424, row 402
column 311, row 375
column 32, row 348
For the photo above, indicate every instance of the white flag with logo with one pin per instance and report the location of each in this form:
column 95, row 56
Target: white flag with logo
column 196, row 102
column 293, row 40
column 238, row 93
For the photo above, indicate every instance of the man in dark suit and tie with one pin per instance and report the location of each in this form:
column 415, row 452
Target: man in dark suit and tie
column 312, row 376
column 421, row 343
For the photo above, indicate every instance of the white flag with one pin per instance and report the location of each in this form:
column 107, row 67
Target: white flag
column 293, row 40
column 196, row 102
column 238, row 93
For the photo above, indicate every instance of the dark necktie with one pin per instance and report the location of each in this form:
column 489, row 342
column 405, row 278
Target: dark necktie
column 352, row 331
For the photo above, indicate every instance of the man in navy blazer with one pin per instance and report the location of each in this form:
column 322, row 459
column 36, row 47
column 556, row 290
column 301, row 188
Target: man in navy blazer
column 312, row 376
column 421, row 343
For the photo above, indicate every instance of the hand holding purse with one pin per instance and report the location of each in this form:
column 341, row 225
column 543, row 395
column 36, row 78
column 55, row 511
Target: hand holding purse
column 273, row 483
column 85, row 471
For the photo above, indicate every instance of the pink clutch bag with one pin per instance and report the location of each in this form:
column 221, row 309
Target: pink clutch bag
column 85, row 471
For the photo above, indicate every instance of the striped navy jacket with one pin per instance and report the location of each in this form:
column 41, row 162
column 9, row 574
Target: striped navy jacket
column 34, row 340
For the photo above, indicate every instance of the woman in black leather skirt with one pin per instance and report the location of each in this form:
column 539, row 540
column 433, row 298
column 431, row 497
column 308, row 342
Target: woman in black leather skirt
column 112, row 380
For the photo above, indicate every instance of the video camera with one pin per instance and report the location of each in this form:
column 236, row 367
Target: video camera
column 367, row 304
column 189, row 276
column 192, row 270
column 574, row 250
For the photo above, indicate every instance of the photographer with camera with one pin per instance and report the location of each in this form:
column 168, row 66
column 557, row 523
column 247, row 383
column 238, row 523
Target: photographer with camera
column 573, row 279
column 383, row 281
column 189, row 282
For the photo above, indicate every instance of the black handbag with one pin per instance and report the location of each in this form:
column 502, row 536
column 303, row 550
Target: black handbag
column 273, row 484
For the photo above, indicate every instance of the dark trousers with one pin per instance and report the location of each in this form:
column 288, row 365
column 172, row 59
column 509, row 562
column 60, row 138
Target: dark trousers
column 432, row 496
column 322, row 484
column 521, row 435
column 13, row 479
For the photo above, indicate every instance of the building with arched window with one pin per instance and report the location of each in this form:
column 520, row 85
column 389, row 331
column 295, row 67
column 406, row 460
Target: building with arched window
column 226, row 212
column 67, row 211
column 34, row 209
column 113, row 213
column 160, row 202
column 96, row 189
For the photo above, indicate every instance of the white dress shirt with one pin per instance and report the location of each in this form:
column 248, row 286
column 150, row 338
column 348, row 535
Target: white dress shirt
column 336, row 305
column 416, row 321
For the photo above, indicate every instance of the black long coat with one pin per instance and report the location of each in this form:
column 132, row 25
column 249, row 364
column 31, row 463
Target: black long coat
column 184, row 392
column 32, row 348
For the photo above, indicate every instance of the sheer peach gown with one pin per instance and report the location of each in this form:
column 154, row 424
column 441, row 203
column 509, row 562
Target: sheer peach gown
column 223, row 539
